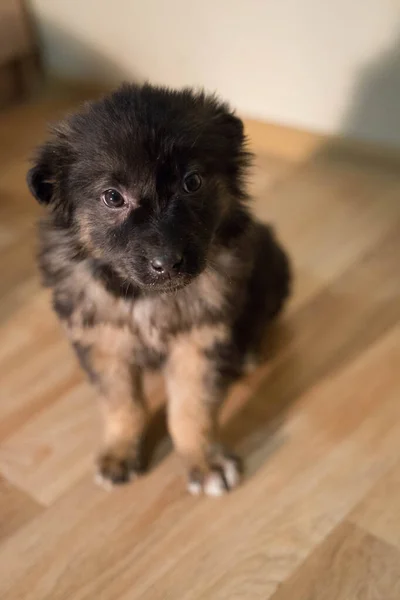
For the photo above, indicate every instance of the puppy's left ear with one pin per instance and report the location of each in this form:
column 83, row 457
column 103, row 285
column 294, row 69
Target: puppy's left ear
column 41, row 177
column 232, row 127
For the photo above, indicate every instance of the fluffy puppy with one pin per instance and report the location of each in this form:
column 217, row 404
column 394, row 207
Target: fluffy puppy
column 155, row 261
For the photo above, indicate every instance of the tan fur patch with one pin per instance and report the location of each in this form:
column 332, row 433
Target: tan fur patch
column 110, row 355
column 193, row 407
column 123, row 407
column 149, row 321
column 212, row 287
column 85, row 237
column 92, row 298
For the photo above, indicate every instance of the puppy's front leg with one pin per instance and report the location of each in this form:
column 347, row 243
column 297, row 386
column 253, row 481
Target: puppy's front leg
column 196, row 390
column 106, row 355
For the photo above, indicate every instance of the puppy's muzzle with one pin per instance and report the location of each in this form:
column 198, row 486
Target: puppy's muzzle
column 166, row 265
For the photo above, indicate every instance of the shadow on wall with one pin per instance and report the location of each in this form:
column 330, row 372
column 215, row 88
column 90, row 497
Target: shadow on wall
column 80, row 62
column 374, row 111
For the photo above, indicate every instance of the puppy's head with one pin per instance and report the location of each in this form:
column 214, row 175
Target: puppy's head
column 145, row 179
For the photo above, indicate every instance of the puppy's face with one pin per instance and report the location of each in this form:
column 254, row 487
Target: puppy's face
column 144, row 179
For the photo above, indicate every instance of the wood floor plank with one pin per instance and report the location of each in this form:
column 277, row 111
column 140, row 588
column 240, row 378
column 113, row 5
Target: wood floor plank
column 16, row 509
column 350, row 564
column 55, row 447
column 378, row 513
column 28, row 390
column 36, row 363
column 58, row 445
column 329, row 217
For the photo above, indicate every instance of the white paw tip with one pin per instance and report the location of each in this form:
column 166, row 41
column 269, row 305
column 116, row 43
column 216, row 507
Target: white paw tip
column 102, row 482
column 194, row 488
column 214, row 485
column 232, row 474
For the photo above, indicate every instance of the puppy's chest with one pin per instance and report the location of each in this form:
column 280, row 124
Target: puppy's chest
column 151, row 322
column 154, row 322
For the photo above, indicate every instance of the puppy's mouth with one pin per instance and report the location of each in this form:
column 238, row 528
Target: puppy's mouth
column 163, row 282
column 170, row 286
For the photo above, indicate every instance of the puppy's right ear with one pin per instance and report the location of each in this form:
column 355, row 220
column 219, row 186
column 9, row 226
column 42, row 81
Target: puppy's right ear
column 41, row 177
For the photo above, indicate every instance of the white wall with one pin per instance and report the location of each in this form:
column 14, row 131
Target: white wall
column 328, row 65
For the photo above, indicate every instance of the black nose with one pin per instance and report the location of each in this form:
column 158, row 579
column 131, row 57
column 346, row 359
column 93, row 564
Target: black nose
column 167, row 264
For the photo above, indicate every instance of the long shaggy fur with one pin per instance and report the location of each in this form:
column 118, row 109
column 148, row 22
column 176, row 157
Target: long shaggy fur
column 222, row 278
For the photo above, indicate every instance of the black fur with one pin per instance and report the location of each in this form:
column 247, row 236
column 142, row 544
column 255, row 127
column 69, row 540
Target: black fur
column 143, row 141
column 220, row 268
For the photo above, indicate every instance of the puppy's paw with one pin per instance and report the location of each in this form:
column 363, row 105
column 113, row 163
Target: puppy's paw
column 221, row 477
column 115, row 467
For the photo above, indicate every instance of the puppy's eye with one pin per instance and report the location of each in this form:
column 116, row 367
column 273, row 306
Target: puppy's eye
column 113, row 199
column 192, row 182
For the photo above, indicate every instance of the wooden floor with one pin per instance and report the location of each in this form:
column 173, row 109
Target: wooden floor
column 317, row 517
